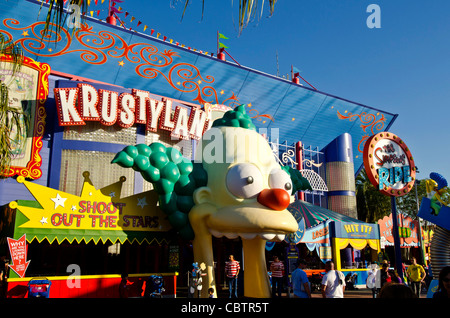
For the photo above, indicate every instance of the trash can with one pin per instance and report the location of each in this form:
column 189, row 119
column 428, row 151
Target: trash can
column 39, row 287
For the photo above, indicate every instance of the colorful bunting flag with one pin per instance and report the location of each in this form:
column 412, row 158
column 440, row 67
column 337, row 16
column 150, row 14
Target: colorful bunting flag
column 220, row 44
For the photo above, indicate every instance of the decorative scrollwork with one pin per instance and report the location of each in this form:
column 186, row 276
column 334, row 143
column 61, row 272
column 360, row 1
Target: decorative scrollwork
column 98, row 47
column 310, row 163
column 367, row 121
column 287, row 156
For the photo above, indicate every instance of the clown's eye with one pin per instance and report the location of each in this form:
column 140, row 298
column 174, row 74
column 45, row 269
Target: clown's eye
column 279, row 179
column 244, row 180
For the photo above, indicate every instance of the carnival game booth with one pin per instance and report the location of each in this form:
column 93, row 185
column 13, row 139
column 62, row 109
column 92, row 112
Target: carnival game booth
column 408, row 233
column 350, row 243
column 82, row 245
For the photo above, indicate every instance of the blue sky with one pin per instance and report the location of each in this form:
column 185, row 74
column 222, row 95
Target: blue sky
column 402, row 67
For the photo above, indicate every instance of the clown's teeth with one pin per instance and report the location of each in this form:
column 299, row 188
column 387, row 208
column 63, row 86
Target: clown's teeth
column 249, row 236
column 231, row 235
column 267, row 236
column 279, row 237
column 216, row 233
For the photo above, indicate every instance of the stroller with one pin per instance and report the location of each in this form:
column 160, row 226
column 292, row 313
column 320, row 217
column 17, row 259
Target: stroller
column 154, row 287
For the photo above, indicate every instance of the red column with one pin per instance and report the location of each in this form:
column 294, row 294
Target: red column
column 299, row 160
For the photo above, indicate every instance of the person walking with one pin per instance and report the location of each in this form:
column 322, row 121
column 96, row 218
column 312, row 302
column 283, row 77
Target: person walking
column 232, row 268
column 333, row 282
column 371, row 280
column 382, row 277
column 300, row 281
column 277, row 269
column 416, row 275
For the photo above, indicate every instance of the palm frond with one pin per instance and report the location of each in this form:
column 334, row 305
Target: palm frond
column 57, row 16
column 10, row 117
column 248, row 11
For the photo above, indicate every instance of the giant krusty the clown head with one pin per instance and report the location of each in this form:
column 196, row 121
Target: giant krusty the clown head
column 234, row 187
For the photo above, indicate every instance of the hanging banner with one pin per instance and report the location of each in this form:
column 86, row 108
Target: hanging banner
column 18, row 252
column 357, row 230
column 389, row 164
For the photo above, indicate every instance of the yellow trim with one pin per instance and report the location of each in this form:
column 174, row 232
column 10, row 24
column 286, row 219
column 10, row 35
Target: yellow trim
column 336, row 253
column 358, row 244
column 27, row 279
column 339, row 243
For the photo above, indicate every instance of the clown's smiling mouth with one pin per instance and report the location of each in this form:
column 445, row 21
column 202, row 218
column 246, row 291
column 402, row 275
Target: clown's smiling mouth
column 249, row 236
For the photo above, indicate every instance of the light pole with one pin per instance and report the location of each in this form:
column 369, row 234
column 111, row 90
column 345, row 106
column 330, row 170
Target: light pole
column 419, row 220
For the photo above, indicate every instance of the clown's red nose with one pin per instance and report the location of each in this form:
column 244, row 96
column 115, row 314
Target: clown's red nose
column 276, row 199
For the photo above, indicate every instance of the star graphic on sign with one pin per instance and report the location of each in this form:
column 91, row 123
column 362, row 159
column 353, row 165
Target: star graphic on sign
column 25, row 33
column 222, row 92
column 59, row 201
column 112, row 194
column 73, row 208
column 121, row 63
column 142, row 202
column 43, row 221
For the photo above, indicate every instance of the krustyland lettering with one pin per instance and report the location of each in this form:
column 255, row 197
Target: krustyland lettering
column 77, row 105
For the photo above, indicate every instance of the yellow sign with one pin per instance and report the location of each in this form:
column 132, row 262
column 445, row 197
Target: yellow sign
column 93, row 210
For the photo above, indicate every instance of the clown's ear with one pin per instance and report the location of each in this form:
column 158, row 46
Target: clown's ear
column 202, row 195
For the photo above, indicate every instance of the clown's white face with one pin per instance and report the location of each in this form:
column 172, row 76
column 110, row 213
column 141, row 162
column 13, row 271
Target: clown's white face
column 247, row 187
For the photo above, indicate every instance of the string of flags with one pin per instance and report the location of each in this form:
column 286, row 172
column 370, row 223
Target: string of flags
column 129, row 22
column 115, row 10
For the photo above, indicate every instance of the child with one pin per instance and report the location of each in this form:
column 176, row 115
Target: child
column 211, row 292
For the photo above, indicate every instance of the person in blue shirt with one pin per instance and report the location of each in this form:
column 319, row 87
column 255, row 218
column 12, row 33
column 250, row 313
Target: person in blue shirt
column 300, row 281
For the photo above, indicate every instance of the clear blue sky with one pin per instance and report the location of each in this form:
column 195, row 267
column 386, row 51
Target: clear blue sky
column 402, row 67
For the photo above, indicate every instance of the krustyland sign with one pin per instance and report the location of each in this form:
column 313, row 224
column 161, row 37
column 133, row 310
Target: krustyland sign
column 76, row 105
column 389, row 164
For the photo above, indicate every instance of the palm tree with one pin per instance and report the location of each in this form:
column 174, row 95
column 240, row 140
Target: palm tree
column 372, row 205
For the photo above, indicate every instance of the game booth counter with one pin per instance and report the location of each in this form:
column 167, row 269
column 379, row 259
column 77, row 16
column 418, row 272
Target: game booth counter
column 350, row 243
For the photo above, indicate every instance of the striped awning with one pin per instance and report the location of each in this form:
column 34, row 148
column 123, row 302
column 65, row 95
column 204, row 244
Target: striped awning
column 314, row 214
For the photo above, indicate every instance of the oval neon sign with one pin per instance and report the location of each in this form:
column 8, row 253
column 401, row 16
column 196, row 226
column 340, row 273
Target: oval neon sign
column 389, row 164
